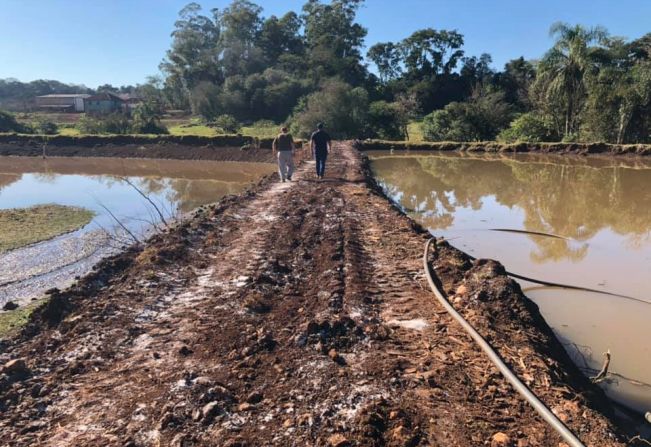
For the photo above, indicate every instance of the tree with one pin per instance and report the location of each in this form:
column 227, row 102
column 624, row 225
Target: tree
column 478, row 119
column 477, row 70
column 387, row 59
column 240, row 26
column 563, row 74
column 515, row 81
column 146, row 119
column 342, row 108
column 428, row 52
column 194, row 55
column 108, row 88
column 334, row 40
column 530, row 127
column 281, row 37
column 617, row 107
column 387, row 120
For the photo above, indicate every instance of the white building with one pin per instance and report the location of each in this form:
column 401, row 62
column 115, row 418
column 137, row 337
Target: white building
column 62, row 103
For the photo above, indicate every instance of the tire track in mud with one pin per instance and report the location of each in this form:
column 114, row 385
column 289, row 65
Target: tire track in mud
column 296, row 315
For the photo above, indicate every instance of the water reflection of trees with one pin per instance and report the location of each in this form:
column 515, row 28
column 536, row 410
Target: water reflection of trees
column 184, row 194
column 8, row 179
column 571, row 201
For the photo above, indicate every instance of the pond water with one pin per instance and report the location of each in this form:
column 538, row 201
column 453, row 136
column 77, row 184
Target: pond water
column 594, row 216
column 103, row 185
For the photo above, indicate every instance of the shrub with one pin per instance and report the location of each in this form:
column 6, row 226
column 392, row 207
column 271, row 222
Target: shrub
column 227, row 123
column 342, row 108
column 479, row 119
column 386, row 121
column 265, row 123
column 146, row 120
column 529, row 127
column 8, row 123
column 44, row 126
column 115, row 123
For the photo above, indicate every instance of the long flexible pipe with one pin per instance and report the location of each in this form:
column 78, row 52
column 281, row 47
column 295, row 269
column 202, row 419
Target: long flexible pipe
column 520, row 387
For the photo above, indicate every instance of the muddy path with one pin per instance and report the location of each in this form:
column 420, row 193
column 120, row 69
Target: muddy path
column 294, row 314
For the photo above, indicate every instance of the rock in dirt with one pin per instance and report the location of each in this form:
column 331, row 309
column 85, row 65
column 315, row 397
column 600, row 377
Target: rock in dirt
column 245, row 406
column 338, row 440
column 500, row 439
column 209, row 411
column 16, row 368
column 185, row 351
column 254, row 398
column 10, row 305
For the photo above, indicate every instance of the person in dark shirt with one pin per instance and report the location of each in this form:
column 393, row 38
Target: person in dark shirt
column 321, row 147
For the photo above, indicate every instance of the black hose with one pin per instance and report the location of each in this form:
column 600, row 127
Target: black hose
column 520, row 387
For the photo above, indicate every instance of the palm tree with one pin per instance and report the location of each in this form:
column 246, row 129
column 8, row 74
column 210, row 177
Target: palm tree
column 564, row 69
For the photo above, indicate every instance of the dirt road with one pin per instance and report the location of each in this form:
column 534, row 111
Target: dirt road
column 294, row 315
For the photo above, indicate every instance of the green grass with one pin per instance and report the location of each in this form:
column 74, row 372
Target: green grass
column 24, row 226
column 261, row 132
column 69, row 131
column 205, row 131
column 12, row 321
column 193, row 129
column 415, row 131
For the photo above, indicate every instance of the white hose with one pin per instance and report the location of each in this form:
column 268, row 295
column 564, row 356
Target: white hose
column 520, row 387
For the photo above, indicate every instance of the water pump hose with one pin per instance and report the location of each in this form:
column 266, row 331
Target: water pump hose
column 520, row 387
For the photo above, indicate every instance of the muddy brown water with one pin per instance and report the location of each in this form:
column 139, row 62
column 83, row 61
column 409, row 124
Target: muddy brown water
column 175, row 186
column 599, row 208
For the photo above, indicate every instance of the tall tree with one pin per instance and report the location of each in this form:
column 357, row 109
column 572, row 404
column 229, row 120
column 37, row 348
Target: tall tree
column 563, row 72
column 240, row 25
column 428, row 52
column 515, row 80
column 387, row 58
column 281, row 37
column 194, row 55
column 334, row 40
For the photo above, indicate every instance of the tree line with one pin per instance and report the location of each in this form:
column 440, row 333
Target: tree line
column 236, row 65
column 307, row 67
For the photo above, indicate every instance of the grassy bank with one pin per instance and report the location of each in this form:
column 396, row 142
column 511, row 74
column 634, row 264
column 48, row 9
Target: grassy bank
column 24, row 226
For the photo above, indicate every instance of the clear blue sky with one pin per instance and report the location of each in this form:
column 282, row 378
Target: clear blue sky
column 122, row 41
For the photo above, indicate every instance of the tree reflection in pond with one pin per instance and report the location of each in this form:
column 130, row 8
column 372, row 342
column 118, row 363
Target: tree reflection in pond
column 569, row 198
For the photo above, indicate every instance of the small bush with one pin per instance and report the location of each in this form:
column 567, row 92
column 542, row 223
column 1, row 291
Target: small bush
column 8, row 123
column 115, row 123
column 227, row 123
column 45, row 127
column 528, row 127
column 264, row 123
column 146, row 120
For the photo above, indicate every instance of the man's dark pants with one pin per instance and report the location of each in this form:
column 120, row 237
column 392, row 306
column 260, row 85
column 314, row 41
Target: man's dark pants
column 321, row 157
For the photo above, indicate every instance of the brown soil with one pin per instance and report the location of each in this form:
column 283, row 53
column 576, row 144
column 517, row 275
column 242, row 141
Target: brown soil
column 294, row 314
column 168, row 150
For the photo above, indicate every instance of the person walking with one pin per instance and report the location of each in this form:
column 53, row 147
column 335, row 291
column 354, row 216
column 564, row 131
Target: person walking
column 284, row 145
column 321, row 145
